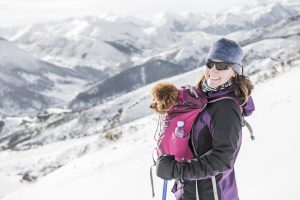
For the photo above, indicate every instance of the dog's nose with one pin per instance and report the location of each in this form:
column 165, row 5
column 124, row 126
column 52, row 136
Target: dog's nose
column 150, row 106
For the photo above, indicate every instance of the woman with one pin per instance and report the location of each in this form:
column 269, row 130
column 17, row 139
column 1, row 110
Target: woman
column 216, row 136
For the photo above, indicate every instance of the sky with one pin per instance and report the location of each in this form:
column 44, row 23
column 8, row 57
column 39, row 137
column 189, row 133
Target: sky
column 18, row 12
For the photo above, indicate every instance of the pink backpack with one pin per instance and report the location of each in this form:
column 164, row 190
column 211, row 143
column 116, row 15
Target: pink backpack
column 190, row 103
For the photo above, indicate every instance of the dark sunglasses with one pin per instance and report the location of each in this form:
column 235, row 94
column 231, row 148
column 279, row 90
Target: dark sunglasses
column 219, row 65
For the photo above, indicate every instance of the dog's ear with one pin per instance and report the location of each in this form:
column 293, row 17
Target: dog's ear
column 162, row 107
column 160, row 94
column 171, row 102
column 171, row 96
column 168, row 103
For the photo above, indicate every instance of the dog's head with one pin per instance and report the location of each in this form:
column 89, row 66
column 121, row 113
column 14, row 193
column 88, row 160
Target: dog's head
column 164, row 97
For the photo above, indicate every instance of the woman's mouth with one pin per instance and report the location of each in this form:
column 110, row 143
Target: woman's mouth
column 214, row 78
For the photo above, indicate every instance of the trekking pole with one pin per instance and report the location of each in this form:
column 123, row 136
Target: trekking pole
column 151, row 179
column 164, row 195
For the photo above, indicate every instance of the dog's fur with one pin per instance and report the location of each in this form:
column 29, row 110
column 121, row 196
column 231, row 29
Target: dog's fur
column 164, row 97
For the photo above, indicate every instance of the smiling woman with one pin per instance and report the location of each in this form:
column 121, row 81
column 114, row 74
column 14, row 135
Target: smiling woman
column 215, row 138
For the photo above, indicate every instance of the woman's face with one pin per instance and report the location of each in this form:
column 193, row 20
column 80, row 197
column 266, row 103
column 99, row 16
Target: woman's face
column 216, row 77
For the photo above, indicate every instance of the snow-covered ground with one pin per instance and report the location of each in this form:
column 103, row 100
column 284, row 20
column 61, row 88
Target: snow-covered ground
column 266, row 168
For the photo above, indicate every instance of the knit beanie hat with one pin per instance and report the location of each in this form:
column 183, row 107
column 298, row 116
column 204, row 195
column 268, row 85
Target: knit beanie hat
column 227, row 51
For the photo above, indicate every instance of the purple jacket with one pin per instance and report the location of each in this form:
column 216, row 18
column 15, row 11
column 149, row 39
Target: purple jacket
column 215, row 140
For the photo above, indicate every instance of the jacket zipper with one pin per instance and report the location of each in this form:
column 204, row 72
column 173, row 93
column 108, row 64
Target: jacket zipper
column 191, row 135
column 213, row 178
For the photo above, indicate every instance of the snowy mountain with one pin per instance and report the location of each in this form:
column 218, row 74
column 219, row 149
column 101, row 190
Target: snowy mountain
column 108, row 65
column 76, row 169
column 126, row 81
column 107, row 49
column 276, row 45
column 102, row 43
column 239, row 18
column 264, row 58
column 247, row 18
column 269, row 50
column 109, row 42
column 104, row 120
column 29, row 85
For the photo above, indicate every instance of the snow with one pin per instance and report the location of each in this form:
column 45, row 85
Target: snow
column 24, row 60
column 167, row 20
column 81, row 41
column 12, row 122
column 265, row 169
column 8, row 184
column 256, row 15
column 268, row 168
column 65, row 87
column 58, row 110
column 279, row 51
column 65, row 42
column 193, row 44
column 92, row 167
column 20, row 71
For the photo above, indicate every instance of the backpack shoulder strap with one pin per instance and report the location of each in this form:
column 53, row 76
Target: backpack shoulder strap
column 228, row 97
column 190, row 95
column 244, row 122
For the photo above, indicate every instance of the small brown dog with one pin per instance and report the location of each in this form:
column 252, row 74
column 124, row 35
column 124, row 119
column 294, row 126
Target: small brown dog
column 164, row 97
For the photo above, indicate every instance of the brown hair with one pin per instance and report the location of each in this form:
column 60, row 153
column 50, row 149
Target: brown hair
column 242, row 86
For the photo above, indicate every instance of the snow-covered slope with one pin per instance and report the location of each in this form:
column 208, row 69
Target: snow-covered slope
column 28, row 85
column 115, row 170
column 99, row 120
column 127, row 81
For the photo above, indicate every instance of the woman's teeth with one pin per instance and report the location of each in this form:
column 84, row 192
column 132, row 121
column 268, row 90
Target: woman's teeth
column 214, row 78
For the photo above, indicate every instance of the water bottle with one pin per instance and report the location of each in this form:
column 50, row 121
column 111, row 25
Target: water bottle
column 179, row 131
